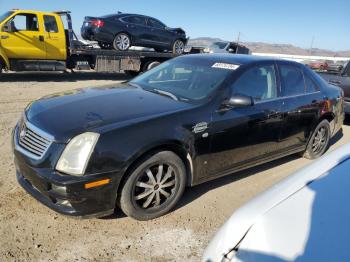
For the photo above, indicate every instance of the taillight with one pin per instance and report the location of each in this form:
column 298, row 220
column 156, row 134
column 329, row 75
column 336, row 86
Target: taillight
column 98, row 23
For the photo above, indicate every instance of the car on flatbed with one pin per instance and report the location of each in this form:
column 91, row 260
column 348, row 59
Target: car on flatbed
column 122, row 30
column 194, row 118
column 341, row 79
column 38, row 41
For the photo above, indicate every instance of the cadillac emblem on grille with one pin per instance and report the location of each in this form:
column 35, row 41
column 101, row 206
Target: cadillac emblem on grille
column 33, row 141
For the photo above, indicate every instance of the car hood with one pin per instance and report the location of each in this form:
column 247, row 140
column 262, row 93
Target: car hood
column 177, row 30
column 67, row 114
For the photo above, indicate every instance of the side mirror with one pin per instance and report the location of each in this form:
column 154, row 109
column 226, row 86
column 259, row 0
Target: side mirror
column 237, row 101
column 9, row 27
column 6, row 28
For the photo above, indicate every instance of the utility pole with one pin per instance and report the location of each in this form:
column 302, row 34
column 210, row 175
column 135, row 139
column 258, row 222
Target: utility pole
column 238, row 38
column 312, row 43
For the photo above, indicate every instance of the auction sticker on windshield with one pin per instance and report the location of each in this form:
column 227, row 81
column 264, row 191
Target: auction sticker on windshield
column 225, row 66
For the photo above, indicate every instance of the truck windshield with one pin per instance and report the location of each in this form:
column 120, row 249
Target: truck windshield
column 185, row 79
column 219, row 45
column 5, row 15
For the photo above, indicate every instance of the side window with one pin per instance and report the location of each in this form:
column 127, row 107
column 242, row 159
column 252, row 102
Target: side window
column 139, row 20
column 50, row 24
column 310, row 84
column 25, row 22
column 292, row 80
column 258, row 82
column 156, row 24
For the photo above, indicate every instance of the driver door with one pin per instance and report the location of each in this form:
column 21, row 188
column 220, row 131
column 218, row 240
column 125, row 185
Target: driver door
column 25, row 39
column 243, row 136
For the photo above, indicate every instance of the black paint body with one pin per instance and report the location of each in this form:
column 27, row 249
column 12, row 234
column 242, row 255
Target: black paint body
column 143, row 34
column 133, row 122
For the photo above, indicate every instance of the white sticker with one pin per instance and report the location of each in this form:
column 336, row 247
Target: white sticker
column 225, row 66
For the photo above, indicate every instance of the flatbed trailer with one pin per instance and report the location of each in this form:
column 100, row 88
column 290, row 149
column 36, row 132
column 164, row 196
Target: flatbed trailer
column 74, row 54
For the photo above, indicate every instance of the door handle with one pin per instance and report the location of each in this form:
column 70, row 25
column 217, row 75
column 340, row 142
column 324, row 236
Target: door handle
column 41, row 38
column 4, row 36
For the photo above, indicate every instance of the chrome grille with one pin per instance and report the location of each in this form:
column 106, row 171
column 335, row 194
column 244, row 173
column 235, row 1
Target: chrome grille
column 33, row 141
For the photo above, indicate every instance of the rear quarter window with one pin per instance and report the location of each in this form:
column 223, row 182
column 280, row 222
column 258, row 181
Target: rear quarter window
column 292, row 80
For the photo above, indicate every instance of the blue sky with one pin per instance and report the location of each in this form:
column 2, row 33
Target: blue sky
column 273, row 21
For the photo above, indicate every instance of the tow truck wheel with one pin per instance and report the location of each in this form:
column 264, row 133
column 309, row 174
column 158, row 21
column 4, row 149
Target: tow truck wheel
column 122, row 42
column 149, row 65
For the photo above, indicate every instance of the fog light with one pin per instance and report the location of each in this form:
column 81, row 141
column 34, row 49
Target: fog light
column 59, row 189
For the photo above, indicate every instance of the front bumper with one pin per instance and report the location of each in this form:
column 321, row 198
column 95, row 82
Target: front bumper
column 67, row 195
column 63, row 193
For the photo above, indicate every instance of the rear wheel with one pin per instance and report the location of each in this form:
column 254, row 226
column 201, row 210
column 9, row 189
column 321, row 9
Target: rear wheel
column 178, row 47
column 149, row 65
column 319, row 141
column 154, row 187
column 121, row 42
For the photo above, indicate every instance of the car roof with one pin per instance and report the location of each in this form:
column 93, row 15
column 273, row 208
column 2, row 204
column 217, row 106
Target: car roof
column 235, row 58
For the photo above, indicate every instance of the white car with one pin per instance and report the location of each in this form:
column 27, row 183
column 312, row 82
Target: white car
column 306, row 217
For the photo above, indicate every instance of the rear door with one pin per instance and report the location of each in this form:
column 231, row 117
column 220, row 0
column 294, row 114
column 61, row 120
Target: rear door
column 27, row 39
column 55, row 37
column 137, row 27
column 242, row 136
column 302, row 100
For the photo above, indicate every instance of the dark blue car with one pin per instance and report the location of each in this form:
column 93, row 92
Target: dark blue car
column 121, row 31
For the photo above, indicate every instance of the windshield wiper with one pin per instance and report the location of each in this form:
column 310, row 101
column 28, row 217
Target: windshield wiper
column 166, row 93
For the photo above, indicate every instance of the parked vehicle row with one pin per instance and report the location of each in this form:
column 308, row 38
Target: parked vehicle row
column 198, row 117
column 341, row 79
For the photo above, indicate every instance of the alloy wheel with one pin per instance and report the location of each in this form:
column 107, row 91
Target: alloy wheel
column 179, row 47
column 155, row 186
column 122, row 42
column 320, row 140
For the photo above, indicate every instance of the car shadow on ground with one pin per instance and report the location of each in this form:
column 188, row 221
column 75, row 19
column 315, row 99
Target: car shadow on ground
column 61, row 76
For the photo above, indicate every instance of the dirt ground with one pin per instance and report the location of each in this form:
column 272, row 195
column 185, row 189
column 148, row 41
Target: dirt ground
column 30, row 231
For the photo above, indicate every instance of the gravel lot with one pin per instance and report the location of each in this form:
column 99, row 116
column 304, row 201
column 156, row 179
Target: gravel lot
column 31, row 232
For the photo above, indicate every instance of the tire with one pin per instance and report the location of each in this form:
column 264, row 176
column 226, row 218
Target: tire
column 178, row 47
column 122, row 42
column 146, row 194
column 319, row 141
column 149, row 65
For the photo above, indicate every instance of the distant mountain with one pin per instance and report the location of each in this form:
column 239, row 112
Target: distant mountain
column 259, row 47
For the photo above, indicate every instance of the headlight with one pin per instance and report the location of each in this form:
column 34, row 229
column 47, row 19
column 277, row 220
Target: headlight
column 207, row 50
column 76, row 155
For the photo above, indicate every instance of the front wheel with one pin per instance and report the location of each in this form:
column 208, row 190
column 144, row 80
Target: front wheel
column 121, row 42
column 154, row 186
column 319, row 141
column 178, row 47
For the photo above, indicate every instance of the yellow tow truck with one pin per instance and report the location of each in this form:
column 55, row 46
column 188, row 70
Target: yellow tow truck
column 44, row 41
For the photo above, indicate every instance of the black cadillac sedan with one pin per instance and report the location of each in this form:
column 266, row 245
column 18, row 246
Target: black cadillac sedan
column 194, row 118
column 121, row 31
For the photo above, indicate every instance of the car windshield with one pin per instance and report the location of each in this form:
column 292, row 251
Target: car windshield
column 219, row 45
column 5, row 15
column 184, row 79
